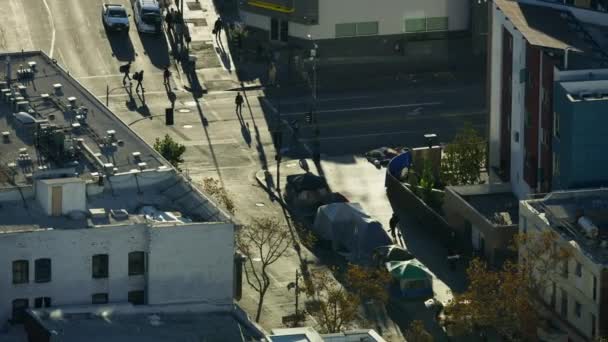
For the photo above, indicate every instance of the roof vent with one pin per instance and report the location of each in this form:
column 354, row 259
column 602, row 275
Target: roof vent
column 98, row 213
column 57, row 88
column 119, row 214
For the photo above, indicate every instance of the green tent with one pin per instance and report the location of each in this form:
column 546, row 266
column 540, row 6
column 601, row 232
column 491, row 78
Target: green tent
column 407, row 269
column 413, row 277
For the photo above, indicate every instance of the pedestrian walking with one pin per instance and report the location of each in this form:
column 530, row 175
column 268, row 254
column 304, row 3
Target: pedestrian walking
column 139, row 79
column 126, row 69
column 392, row 223
column 272, row 74
column 167, row 77
column 169, row 18
column 217, row 27
column 238, row 101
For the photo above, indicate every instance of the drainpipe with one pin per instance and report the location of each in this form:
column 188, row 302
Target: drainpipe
column 566, row 50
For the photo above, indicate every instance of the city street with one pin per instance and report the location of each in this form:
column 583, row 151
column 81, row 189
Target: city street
column 229, row 148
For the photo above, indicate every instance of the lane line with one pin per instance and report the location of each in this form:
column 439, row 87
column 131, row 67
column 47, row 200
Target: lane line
column 367, row 135
column 52, row 23
column 356, row 109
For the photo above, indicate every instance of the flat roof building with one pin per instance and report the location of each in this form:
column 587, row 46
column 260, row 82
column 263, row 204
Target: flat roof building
column 577, row 298
column 89, row 213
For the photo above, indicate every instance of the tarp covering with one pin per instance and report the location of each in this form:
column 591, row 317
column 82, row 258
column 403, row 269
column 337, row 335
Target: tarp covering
column 306, row 181
column 350, row 229
column 407, row 270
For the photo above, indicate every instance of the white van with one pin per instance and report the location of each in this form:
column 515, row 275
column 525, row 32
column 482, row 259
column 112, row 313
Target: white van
column 147, row 15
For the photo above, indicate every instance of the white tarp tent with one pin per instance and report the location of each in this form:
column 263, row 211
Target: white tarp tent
column 350, row 229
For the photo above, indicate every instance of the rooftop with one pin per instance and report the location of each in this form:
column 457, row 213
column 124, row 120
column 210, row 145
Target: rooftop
column 586, row 90
column 563, row 211
column 559, row 29
column 495, row 202
column 308, row 334
column 60, row 124
column 145, row 325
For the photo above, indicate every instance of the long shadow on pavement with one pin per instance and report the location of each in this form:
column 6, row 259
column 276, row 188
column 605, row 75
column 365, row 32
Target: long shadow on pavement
column 211, row 149
column 156, row 48
column 121, row 45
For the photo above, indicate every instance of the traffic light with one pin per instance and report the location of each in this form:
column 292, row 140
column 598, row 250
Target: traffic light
column 169, row 116
column 309, row 117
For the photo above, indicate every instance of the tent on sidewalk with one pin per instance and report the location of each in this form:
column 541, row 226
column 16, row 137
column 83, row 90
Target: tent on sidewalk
column 413, row 277
column 350, row 230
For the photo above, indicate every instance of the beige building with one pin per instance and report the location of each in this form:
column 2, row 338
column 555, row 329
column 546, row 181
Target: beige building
column 577, row 297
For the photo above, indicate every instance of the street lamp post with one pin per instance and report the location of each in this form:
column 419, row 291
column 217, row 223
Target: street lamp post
column 313, row 57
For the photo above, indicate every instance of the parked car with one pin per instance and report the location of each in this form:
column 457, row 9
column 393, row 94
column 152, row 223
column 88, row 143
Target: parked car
column 115, row 17
column 147, row 16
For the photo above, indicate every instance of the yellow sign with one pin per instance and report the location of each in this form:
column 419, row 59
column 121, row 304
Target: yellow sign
column 271, row 6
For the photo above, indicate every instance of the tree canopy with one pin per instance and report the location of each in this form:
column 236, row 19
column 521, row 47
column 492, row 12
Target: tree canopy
column 463, row 158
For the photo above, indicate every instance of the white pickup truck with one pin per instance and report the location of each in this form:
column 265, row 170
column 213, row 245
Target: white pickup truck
column 115, row 17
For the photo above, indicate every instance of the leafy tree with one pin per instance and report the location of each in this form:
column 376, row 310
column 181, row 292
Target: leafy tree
column 463, row 158
column 262, row 242
column 170, row 150
column 368, row 284
column 505, row 299
column 416, row 332
column 334, row 306
column 213, row 187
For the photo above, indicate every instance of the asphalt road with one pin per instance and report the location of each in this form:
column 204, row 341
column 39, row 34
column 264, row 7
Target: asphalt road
column 355, row 122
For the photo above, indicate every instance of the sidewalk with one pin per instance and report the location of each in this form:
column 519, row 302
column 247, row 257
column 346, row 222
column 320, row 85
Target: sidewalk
column 214, row 66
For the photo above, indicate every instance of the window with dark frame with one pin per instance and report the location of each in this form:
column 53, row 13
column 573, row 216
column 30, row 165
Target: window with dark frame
column 579, row 270
column 100, row 266
column 19, row 307
column 42, row 302
column 21, row 272
column 99, row 298
column 137, row 297
column 137, row 263
column 42, row 270
column 577, row 309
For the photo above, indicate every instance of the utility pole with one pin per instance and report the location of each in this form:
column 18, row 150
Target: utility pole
column 313, row 57
column 295, row 285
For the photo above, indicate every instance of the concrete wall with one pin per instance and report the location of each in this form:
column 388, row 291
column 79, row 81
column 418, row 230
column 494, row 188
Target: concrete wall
column 390, row 15
column 186, row 263
column 582, row 141
column 499, row 21
column 578, row 289
column 459, row 213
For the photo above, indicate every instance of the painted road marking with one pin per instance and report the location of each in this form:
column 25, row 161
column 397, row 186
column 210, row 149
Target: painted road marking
column 358, row 109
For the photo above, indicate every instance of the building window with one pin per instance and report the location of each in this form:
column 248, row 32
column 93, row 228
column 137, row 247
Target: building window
column 553, row 295
column 367, row 29
column 524, row 224
column 21, row 272
column 346, row 30
column 415, row 25
column 42, row 302
column 565, row 268
column 564, row 306
column 593, row 328
column 137, row 263
column 577, row 309
column 99, row 298
column 357, row 29
column 578, row 270
column 19, row 307
column 42, row 270
column 100, row 266
column 594, row 288
column 137, row 297
column 556, row 124
column 437, row 24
